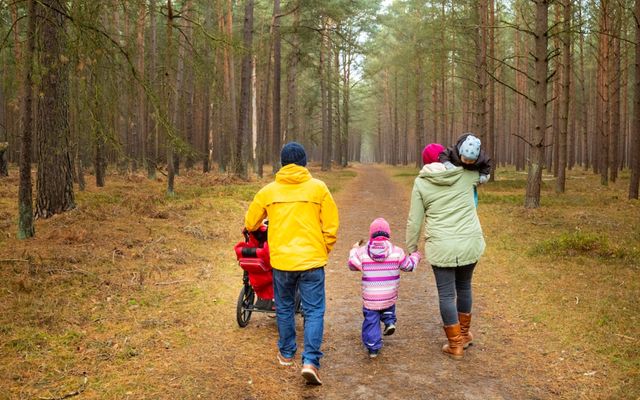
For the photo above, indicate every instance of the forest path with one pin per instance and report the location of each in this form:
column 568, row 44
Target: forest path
column 411, row 364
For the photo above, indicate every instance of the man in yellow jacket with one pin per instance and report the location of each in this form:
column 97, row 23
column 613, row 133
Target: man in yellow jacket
column 303, row 224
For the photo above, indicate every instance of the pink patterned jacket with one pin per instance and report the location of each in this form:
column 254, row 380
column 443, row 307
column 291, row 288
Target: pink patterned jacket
column 380, row 262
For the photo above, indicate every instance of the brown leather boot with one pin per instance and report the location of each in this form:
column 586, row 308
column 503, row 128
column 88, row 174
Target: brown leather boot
column 454, row 348
column 465, row 323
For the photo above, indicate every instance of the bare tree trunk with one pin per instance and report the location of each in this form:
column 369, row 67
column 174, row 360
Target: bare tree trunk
column 152, row 120
column 534, row 177
column 419, row 113
column 604, row 93
column 277, row 58
column 26, row 228
column 170, row 95
column 491, row 134
column 396, row 129
column 326, row 138
column 584, row 102
column 635, row 132
column 55, row 180
column 481, row 69
column 242, row 141
column 292, row 127
column 564, row 97
column 614, row 79
column 141, row 127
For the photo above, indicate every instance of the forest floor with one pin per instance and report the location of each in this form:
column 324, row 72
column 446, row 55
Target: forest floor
column 133, row 295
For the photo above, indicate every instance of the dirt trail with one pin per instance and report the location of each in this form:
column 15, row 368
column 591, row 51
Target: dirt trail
column 411, row 365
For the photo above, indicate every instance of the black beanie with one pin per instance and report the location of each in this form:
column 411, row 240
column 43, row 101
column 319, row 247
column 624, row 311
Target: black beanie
column 293, row 153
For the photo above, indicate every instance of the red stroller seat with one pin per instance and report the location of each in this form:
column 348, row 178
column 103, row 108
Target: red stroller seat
column 253, row 257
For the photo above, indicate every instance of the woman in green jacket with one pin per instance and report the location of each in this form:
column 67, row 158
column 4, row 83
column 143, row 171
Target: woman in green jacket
column 443, row 201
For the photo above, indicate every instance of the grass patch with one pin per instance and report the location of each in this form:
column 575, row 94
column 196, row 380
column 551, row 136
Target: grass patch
column 583, row 244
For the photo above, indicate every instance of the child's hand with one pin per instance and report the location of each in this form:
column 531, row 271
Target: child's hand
column 417, row 255
column 484, row 178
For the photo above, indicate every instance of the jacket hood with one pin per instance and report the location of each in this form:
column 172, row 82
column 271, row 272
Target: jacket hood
column 435, row 174
column 379, row 249
column 293, row 173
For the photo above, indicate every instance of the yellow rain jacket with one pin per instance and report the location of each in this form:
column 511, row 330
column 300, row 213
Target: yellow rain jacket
column 303, row 219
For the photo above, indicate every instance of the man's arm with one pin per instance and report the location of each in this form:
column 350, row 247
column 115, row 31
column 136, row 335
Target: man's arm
column 329, row 221
column 255, row 214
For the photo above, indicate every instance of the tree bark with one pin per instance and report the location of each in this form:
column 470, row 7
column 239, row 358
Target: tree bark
column 635, row 132
column 614, row 79
column 419, row 95
column 291, row 126
column 169, row 93
column 277, row 58
column 326, row 138
column 242, row 141
column 55, row 179
column 536, row 163
column 564, row 97
column 26, row 228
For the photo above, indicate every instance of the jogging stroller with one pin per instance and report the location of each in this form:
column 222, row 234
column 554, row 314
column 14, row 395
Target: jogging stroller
column 257, row 279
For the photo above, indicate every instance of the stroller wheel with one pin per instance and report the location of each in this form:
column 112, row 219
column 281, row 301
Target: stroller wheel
column 245, row 305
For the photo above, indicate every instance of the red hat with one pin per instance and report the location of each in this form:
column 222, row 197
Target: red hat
column 379, row 227
column 431, row 152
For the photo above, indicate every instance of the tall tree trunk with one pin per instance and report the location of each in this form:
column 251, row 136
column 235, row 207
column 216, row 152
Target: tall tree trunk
column 55, row 179
column 152, row 120
column 635, row 132
column 339, row 151
column 326, row 138
column 490, row 142
column 481, row 69
column 141, row 127
column 564, row 97
column 170, row 95
column 347, row 56
column 584, row 102
column 277, row 59
column 534, row 176
column 604, row 93
column 26, row 228
column 396, row 129
column 419, row 96
column 614, row 79
column 292, row 128
column 242, row 141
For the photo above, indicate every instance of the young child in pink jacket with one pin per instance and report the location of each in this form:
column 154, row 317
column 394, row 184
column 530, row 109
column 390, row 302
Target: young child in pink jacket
column 380, row 262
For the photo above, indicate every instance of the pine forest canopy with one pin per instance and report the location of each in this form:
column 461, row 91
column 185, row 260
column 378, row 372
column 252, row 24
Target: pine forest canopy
column 171, row 84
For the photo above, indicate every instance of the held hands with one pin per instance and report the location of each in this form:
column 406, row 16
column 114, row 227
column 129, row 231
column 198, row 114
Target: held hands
column 417, row 256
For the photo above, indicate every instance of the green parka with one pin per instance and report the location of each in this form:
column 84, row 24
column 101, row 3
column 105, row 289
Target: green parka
column 442, row 200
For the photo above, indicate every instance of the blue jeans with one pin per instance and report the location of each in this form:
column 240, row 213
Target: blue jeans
column 371, row 335
column 454, row 291
column 311, row 287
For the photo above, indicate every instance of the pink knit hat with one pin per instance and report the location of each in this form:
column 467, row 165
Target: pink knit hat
column 431, row 152
column 379, row 227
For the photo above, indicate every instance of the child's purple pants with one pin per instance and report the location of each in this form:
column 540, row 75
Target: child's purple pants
column 371, row 332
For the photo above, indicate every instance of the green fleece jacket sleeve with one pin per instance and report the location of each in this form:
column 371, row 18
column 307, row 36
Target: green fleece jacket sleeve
column 415, row 219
